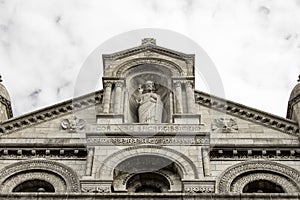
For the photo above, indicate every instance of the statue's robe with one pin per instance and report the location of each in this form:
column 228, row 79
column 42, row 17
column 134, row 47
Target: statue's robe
column 150, row 109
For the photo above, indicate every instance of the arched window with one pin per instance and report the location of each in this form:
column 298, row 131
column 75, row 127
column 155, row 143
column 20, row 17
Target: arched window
column 34, row 186
column 148, row 183
column 262, row 186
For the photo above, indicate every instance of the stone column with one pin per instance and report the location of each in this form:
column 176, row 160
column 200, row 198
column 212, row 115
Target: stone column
column 190, row 96
column 107, row 96
column 89, row 161
column 118, row 97
column 178, row 96
column 206, row 161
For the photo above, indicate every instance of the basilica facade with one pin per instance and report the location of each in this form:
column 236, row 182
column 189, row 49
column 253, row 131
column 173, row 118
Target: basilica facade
column 149, row 134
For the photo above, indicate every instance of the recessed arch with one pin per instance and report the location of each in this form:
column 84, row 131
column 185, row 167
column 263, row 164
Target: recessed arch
column 287, row 176
column 122, row 68
column 187, row 167
column 162, row 171
column 35, row 185
column 39, row 169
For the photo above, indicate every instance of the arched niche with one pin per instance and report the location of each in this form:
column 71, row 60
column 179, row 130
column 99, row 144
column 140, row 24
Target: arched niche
column 136, row 79
column 147, row 173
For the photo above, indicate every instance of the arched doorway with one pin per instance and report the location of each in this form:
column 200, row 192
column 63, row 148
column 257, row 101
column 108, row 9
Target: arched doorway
column 147, row 173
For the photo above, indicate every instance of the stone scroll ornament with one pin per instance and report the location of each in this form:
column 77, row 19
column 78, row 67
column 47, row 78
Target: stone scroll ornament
column 224, row 125
column 73, row 124
column 150, row 106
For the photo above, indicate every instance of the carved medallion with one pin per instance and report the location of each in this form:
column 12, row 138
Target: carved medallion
column 73, row 124
column 224, row 125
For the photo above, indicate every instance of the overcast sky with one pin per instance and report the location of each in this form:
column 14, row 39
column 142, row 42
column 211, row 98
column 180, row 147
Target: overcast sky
column 254, row 44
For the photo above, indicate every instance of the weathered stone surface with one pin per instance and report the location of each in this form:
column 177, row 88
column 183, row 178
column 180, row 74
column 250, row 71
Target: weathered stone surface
column 149, row 131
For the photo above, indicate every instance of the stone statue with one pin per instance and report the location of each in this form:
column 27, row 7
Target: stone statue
column 150, row 106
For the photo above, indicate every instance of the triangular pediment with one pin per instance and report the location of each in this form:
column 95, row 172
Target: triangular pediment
column 181, row 64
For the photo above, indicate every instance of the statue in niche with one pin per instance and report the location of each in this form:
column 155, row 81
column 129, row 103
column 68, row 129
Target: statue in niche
column 150, row 105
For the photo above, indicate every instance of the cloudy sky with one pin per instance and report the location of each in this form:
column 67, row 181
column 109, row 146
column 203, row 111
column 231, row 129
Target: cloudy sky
column 254, row 44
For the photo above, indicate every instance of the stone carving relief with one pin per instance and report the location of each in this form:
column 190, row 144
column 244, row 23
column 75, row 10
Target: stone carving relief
column 92, row 188
column 224, row 125
column 57, row 182
column 66, row 173
column 228, row 177
column 199, row 189
column 240, row 182
column 73, row 124
column 150, row 106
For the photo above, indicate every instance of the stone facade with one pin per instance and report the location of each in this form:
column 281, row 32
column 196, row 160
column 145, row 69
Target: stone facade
column 149, row 134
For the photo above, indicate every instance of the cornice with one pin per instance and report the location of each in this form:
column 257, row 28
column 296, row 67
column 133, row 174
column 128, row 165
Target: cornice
column 247, row 113
column 49, row 113
column 154, row 48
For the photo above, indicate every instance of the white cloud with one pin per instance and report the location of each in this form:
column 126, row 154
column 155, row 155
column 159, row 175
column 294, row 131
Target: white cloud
column 254, row 44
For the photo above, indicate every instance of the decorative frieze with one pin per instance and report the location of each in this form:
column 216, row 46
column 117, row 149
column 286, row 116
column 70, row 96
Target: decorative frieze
column 159, row 140
column 199, row 186
column 246, row 154
column 199, row 189
column 95, row 189
column 92, row 186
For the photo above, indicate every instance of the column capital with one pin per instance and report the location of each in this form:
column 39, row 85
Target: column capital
column 189, row 84
column 107, row 84
column 177, row 83
column 119, row 83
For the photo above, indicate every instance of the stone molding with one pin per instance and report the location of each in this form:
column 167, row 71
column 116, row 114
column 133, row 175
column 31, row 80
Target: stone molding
column 269, row 153
column 43, row 152
column 186, row 165
column 176, row 70
column 57, row 182
column 224, row 182
column 50, row 113
column 66, row 173
column 239, row 183
column 95, row 186
column 150, row 47
column 247, row 113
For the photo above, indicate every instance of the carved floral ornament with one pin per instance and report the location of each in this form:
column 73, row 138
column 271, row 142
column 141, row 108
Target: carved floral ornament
column 224, row 125
column 73, row 124
column 232, row 179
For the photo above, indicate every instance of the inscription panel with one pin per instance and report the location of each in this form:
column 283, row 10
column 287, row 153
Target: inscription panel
column 145, row 128
column 159, row 140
